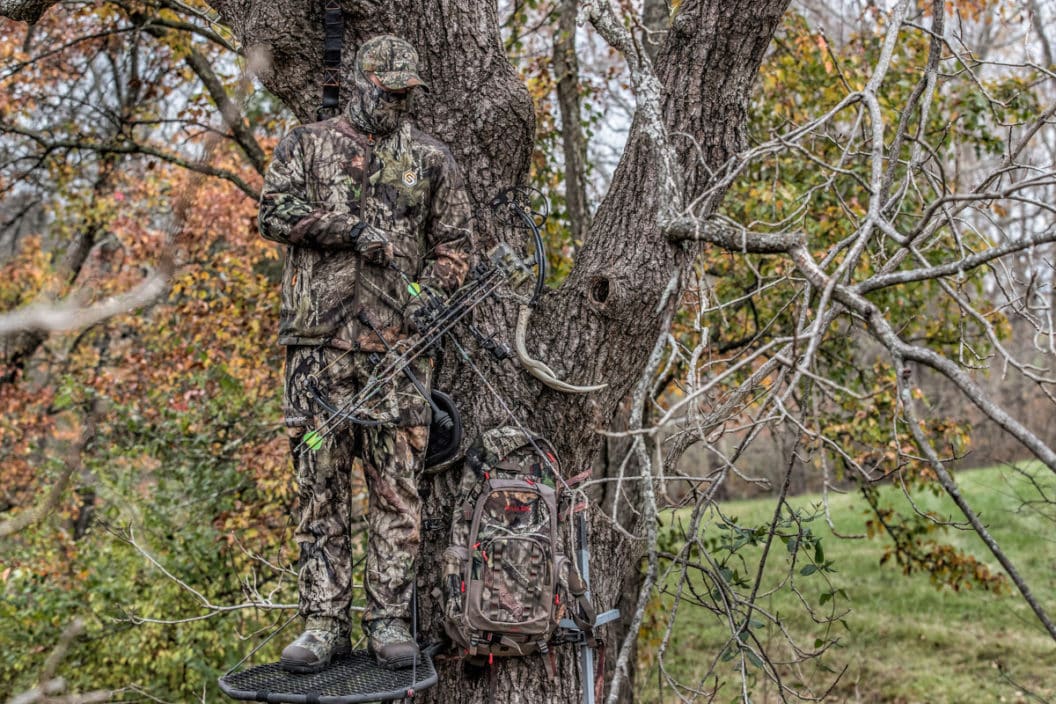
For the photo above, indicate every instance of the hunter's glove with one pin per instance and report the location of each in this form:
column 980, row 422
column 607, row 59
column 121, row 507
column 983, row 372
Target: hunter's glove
column 414, row 313
column 373, row 245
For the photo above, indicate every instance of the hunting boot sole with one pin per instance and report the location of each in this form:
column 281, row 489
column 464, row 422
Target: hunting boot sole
column 397, row 657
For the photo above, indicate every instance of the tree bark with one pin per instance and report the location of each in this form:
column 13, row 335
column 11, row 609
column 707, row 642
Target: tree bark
column 655, row 22
column 601, row 325
column 25, row 10
column 574, row 145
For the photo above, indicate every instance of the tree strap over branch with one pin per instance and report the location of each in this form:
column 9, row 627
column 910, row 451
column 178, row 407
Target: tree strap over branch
column 334, row 33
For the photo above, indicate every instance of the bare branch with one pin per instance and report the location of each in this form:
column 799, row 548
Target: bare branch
column 74, row 314
column 730, row 236
column 913, row 422
column 51, row 688
column 199, row 166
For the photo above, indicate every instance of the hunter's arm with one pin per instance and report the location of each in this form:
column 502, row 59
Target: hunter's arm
column 288, row 216
column 448, row 235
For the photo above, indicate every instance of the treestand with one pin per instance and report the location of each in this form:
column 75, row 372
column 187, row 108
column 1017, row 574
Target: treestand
column 355, row 677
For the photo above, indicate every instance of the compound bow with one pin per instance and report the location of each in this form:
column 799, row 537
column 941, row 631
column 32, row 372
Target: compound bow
column 437, row 318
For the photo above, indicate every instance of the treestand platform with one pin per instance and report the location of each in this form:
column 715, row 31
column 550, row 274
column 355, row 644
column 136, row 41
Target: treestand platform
column 355, row 677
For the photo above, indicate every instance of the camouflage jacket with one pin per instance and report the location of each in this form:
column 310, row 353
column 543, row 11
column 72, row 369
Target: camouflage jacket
column 324, row 180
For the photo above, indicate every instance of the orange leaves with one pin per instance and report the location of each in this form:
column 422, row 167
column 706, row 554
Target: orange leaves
column 826, row 56
column 24, row 276
column 910, row 547
column 972, row 10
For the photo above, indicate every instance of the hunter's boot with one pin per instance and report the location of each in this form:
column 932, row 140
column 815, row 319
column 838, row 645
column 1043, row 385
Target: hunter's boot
column 312, row 651
column 391, row 642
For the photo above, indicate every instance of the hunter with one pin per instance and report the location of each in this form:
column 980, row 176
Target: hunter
column 371, row 210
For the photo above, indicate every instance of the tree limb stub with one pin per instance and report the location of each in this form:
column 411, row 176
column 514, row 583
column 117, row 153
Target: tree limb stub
column 730, row 237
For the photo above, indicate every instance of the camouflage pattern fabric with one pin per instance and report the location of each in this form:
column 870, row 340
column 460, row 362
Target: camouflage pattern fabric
column 391, row 457
column 512, row 445
column 393, row 461
column 387, row 631
column 503, row 565
column 336, row 194
column 513, row 565
column 322, row 639
column 326, row 183
column 392, row 60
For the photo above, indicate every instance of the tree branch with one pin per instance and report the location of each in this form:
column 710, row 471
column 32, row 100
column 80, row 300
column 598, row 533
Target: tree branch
column 730, row 236
column 229, row 111
column 914, row 423
column 648, row 95
column 50, row 688
column 197, row 165
column 73, row 314
column 958, row 267
column 27, row 518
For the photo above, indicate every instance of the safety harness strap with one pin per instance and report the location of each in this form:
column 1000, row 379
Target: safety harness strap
column 334, row 29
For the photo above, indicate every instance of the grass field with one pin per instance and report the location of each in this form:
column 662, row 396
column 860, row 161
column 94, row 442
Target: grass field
column 904, row 640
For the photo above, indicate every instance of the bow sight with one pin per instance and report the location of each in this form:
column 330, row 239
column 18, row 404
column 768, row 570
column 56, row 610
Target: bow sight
column 502, row 261
column 513, row 207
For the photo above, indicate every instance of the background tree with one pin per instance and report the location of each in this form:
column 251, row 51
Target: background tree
column 800, row 319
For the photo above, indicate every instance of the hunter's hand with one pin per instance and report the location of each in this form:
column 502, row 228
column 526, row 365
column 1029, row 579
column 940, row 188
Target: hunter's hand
column 374, row 246
column 412, row 321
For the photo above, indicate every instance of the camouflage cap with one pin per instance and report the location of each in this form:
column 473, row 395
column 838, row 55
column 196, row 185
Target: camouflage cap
column 392, row 60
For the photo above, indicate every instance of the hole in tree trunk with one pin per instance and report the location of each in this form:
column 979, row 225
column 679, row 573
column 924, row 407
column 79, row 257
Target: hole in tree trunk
column 599, row 290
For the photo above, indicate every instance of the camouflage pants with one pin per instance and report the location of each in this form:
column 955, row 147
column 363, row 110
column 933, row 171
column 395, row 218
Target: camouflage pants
column 391, row 455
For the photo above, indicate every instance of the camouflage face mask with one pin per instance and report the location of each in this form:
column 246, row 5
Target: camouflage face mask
column 388, row 102
column 370, row 109
column 384, row 65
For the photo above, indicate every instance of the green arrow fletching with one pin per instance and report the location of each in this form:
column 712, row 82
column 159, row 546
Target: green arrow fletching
column 313, row 440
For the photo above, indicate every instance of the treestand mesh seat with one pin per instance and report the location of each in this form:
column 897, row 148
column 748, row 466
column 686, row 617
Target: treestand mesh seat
column 355, row 677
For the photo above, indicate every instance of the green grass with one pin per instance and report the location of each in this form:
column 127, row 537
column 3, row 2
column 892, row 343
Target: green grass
column 901, row 639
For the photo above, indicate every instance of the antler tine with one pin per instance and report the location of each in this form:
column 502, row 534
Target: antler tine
column 539, row 369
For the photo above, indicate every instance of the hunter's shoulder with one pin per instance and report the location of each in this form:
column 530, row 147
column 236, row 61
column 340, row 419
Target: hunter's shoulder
column 336, row 130
column 429, row 146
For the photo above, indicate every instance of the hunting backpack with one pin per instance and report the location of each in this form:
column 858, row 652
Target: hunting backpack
column 505, row 575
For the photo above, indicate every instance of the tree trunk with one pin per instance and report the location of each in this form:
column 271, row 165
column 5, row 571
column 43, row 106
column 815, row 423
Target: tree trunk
column 601, row 325
column 655, row 22
column 17, row 349
column 573, row 143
